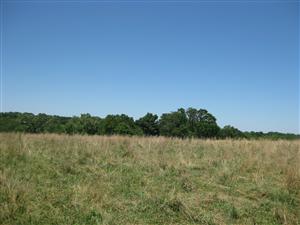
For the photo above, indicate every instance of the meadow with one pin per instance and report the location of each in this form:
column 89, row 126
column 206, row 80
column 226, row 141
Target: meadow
column 62, row 179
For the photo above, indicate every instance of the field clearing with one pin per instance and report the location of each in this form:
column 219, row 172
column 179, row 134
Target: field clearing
column 60, row 179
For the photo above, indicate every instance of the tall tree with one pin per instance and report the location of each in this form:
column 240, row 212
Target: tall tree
column 174, row 124
column 201, row 123
column 149, row 124
column 120, row 124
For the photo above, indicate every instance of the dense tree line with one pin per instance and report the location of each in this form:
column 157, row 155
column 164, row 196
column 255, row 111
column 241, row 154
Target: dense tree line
column 181, row 123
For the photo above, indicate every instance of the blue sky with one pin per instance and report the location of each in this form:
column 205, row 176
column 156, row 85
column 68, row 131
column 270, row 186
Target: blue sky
column 237, row 59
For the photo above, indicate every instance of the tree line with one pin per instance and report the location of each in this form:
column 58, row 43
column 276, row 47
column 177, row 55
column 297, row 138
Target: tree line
column 183, row 123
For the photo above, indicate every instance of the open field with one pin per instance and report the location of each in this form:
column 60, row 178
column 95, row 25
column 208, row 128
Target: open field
column 60, row 179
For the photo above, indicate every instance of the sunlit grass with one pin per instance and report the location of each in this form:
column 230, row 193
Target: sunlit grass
column 59, row 179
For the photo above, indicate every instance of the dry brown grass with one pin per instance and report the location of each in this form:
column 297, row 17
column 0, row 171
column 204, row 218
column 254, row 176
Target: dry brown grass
column 60, row 179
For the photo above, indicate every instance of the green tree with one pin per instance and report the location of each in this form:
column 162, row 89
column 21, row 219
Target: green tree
column 120, row 124
column 174, row 124
column 201, row 123
column 28, row 122
column 231, row 132
column 74, row 126
column 90, row 125
column 149, row 124
column 182, row 123
column 55, row 124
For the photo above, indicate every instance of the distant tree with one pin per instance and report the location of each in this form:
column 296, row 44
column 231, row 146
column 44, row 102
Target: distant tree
column 120, row 124
column 28, row 122
column 55, row 124
column 181, row 123
column 201, row 123
column 207, row 130
column 74, row 126
column 11, row 121
column 39, row 122
column 149, row 124
column 254, row 135
column 174, row 124
column 90, row 125
column 231, row 132
column 277, row 135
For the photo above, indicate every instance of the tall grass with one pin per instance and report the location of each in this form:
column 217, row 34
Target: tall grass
column 60, row 179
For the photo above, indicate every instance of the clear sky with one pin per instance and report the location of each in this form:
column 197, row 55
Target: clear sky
column 237, row 59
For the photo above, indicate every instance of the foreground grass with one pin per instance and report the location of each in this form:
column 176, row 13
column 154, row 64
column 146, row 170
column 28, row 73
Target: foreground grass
column 53, row 179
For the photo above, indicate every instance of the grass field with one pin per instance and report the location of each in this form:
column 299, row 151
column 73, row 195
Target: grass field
column 58, row 179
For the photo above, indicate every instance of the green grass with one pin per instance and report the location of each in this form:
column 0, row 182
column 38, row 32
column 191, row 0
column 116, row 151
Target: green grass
column 59, row 179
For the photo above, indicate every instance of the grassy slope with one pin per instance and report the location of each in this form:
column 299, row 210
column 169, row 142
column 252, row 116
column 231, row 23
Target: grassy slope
column 52, row 179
